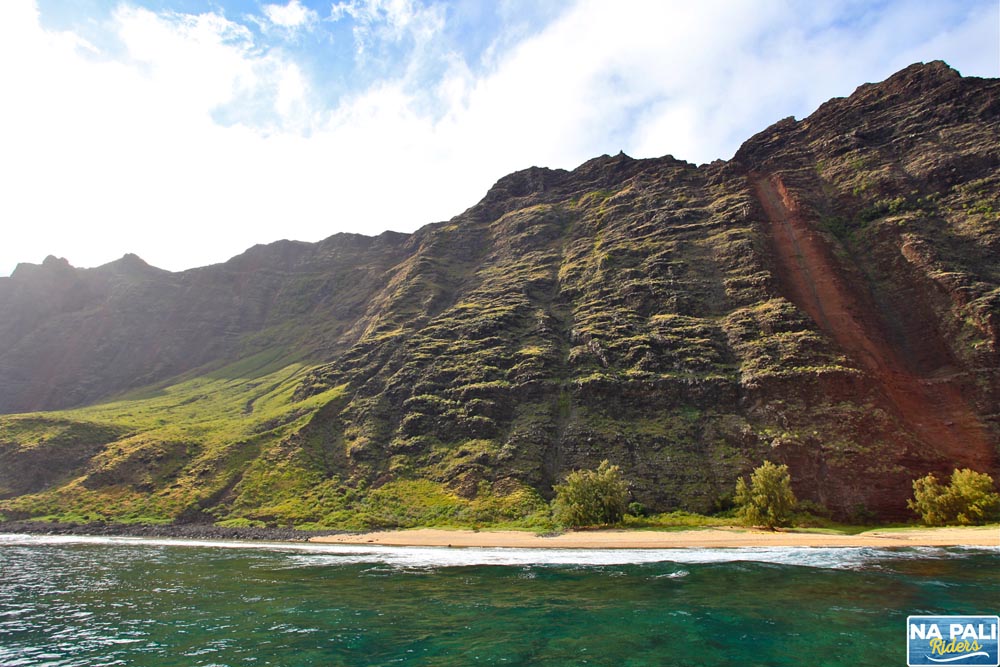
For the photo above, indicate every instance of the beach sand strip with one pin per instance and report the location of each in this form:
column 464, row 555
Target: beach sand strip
column 988, row 536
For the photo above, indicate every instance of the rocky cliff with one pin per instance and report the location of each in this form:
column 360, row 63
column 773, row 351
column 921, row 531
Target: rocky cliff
column 829, row 298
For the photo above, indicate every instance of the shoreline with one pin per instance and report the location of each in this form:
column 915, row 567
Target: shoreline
column 711, row 538
column 611, row 538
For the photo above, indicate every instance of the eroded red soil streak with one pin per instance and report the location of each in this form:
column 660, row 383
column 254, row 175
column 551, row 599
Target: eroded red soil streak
column 932, row 409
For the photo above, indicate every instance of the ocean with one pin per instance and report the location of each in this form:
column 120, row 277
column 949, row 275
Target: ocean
column 156, row 602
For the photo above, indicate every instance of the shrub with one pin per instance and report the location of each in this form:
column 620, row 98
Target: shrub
column 591, row 497
column 637, row 509
column 812, row 508
column 969, row 499
column 768, row 499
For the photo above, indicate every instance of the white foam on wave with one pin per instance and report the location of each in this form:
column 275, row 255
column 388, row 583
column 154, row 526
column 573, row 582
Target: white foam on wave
column 313, row 554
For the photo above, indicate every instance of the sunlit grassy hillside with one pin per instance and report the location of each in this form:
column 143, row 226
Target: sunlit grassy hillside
column 235, row 446
column 157, row 456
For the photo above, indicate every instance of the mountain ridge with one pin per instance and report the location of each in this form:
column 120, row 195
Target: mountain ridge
column 828, row 298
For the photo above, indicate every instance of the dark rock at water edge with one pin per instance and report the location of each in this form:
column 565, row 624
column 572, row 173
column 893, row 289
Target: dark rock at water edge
column 178, row 531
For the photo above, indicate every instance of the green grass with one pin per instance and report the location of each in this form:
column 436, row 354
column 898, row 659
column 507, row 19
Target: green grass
column 677, row 520
column 801, row 523
column 170, row 450
column 216, row 407
column 834, row 528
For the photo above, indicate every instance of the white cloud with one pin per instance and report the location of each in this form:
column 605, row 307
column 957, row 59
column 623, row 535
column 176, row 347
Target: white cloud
column 695, row 79
column 390, row 21
column 201, row 141
column 109, row 157
column 395, row 16
column 290, row 16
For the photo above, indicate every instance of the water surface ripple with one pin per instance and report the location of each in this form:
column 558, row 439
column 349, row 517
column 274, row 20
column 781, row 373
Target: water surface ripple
column 123, row 601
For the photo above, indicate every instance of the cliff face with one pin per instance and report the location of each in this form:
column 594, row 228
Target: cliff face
column 829, row 298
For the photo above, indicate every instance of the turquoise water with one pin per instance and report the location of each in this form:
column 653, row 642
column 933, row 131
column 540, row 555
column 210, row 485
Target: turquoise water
column 106, row 601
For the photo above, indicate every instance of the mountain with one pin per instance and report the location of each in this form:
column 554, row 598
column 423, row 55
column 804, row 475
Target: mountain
column 829, row 298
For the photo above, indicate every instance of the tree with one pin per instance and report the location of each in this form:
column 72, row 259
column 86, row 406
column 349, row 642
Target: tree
column 970, row 498
column 768, row 499
column 591, row 497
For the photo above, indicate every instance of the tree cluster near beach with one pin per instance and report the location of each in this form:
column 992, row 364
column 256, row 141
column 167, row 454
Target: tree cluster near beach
column 591, row 497
column 969, row 499
column 768, row 499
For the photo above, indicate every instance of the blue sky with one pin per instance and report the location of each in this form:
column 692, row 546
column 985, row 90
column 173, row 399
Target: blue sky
column 188, row 131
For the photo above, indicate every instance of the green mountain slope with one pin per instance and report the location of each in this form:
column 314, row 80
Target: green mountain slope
column 829, row 298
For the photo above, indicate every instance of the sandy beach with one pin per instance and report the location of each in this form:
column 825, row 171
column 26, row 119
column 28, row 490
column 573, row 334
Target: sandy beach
column 988, row 536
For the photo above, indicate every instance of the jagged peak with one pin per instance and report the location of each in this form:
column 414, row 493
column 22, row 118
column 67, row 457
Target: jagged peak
column 935, row 69
column 911, row 84
column 51, row 265
column 620, row 158
column 129, row 264
column 132, row 259
column 610, row 168
column 525, row 182
column 602, row 171
column 279, row 245
column 604, row 163
column 281, row 252
column 352, row 240
column 51, row 261
column 912, row 81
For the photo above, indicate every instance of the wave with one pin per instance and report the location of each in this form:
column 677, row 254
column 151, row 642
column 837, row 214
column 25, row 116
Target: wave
column 310, row 554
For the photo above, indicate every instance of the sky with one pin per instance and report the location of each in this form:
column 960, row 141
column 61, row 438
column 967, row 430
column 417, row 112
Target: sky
column 186, row 132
